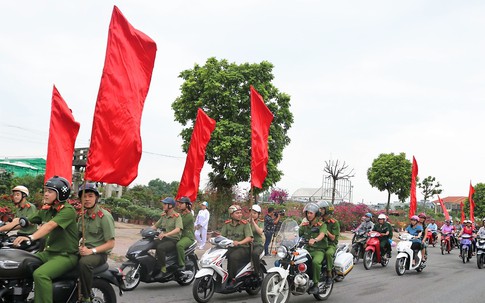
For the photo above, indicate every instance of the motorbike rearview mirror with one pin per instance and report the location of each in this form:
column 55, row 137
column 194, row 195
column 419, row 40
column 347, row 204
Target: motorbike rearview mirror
column 23, row 221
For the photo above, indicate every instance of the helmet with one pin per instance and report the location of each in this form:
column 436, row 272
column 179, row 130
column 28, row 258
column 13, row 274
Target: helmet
column 422, row 215
column 205, row 204
column 233, row 208
column 381, row 216
column 468, row 221
column 416, row 218
column 483, row 219
column 311, row 207
column 328, row 206
column 89, row 187
column 369, row 215
column 169, row 200
column 21, row 189
column 61, row 186
column 447, row 221
column 184, row 200
column 256, row 208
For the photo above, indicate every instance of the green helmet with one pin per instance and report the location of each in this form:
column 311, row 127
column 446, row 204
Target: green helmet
column 328, row 206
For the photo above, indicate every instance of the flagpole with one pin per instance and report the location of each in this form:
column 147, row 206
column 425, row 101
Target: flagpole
column 79, row 294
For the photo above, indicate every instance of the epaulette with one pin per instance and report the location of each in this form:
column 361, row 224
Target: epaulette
column 175, row 215
column 100, row 213
column 332, row 220
column 227, row 221
column 59, row 207
column 319, row 223
column 28, row 205
column 46, row 207
column 306, row 223
column 244, row 221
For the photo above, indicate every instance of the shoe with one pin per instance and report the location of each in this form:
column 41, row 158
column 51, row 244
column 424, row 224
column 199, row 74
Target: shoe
column 181, row 267
column 231, row 283
column 389, row 255
column 314, row 289
column 162, row 274
column 328, row 281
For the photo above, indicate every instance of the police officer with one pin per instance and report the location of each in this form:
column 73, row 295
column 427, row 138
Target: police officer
column 58, row 220
column 257, row 226
column 187, row 237
column 23, row 208
column 314, row 230
column 171, row 224
column 240, row 232
column 333, row 233
column 99, row 237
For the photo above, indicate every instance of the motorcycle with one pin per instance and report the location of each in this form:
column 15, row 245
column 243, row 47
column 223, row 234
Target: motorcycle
column 142, row 263
column 212, row 277
column 372, row 252
column 431, row 237
column 292, row 272
column 358, row 245
column 466, row 247
column 480, row 251
column 17, row 283
column 407, row 258
column 446, row 243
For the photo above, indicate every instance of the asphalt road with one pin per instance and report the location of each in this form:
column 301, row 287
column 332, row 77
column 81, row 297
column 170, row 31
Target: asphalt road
column 445, row 279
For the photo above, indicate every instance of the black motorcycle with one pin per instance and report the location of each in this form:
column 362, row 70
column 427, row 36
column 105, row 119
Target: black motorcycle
column 358, row 244
column 142, row 263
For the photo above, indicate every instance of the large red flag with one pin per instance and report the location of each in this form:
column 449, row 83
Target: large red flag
column 462, row 212
column 443, row 207
column 413, row 203
column 261, row 118
column 115, row 149
column 472, row 203
column 203, row 128
column 63, row 131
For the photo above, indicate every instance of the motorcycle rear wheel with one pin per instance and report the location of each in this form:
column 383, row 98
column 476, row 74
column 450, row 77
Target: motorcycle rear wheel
column 443, row 243
column 189, row 266
column 255, row 290
column 269, row 291
column 325, row 295
column 355, row 251
column 102, row 292
column 131, row 280
column 368, row 258
column 480, row 261
column 203, row 289
column 400, row 266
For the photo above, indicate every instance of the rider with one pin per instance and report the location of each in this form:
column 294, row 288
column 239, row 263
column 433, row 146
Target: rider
column 446, row 229
column 433, row 227
column 171, row 224
column 415, row 230
column 367, row 225
column 332, row 234
column 240, row 232
column 187, row 238
column 23, row 208
column 257, row 227
column 481, row 231
column 99, row 237
column 313, row 230
column 422, row 222
column 383, row 228
column 468, row 230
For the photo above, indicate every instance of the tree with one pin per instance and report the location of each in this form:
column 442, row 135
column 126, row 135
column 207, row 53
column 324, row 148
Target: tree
column 392, row 173
column 337, row 172
column 429, row 188
column 278, row 196
column 221, row 89
column 479, row 198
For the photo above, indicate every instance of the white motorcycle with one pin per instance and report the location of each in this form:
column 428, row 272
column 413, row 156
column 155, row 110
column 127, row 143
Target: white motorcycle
column 212, row 277
column 407, row 258
column 480, row 251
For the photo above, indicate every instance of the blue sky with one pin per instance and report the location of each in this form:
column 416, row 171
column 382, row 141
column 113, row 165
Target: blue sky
column 364, row 78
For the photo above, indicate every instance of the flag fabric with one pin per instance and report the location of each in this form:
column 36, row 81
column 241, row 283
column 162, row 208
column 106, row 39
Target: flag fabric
column 462, row 212
column 203, row 128
column 472, row 203
column 115, row 149
column 261, row 118
column 63, row 131
column 443, row 207
column 413, row 203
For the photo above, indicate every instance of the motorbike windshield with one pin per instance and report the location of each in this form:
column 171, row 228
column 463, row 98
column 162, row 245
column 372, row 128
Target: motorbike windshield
column 287, row 234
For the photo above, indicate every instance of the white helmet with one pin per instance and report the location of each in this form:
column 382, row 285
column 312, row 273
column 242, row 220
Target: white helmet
column 256, row 208
column 381, row 216
column 21, row 189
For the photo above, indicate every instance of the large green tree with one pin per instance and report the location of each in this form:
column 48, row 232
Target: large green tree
column 429, row 188
column 222, row 89
column 392, row 173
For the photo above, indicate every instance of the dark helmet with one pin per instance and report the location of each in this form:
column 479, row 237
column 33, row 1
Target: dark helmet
column 184, row 200
column 169, row 200
column 328, row 206
column 89, row 187
column 61, row 186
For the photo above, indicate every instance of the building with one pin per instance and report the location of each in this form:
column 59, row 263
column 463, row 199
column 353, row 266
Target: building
column 452, row 203
column 21, row 167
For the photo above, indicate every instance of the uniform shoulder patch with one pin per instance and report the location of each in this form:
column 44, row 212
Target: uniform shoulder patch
column 61, row 206
column 332, row 220
column 100, row 213
column 306, row 223
column 163, row 214
column 175, row 215
column 227, row 221
column 244, row 221
column 28, row 205
column 319, row 223
column 46, row 207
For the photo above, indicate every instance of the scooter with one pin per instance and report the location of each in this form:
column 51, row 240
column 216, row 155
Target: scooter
column 142, row 263
column 372, row 252
column 446, row 243
column 407, row 258
column 480, row 251
column 358, row 244
column 466, row 247
column 212, row 277
column 431, row 237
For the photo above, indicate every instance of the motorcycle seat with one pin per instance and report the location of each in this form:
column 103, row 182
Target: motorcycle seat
column 74, row 274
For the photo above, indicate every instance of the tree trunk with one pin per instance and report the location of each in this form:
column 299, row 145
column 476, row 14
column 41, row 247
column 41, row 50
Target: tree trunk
column 333, row 190
column 388, row 202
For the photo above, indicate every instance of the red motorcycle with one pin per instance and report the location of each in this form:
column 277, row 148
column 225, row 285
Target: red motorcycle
column 431, row 238
column 372, row 252
column 446, row 243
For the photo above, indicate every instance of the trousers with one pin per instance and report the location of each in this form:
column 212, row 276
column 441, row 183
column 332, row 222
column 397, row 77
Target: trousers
column 87, row 264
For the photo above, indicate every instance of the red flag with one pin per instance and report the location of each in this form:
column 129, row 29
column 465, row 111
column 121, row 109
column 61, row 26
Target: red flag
column 462, row 212
column 445, row 211
column 261, row 119
column 63, row 131
column 413, row 203
column 115, row 149
column 472, row 203
column 189, row 184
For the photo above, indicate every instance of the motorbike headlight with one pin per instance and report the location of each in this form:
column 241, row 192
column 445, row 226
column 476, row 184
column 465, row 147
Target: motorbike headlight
column 281, row 252
column 134, row 254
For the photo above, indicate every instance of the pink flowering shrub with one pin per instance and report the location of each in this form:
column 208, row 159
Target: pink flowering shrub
column 348, row 213
column 278, row 196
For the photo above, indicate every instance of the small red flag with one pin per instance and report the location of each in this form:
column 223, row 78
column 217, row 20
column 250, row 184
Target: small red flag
column 462, row 212
column 203, row 128
column 413, row 203
column 63, row 131
column 115, row 149
column 472, row 203
column 261, row 118
column 443, row 207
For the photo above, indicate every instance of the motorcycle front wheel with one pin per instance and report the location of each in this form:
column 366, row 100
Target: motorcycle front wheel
column 131, row 277
column 400, row 266
column 203, row 289
column 368, row 256
column 324, row 295
column 102, row 292
column 355, row 251
column 271, row 291
column 464, row 254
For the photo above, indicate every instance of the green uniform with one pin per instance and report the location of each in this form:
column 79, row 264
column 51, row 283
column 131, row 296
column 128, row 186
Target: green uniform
column 238, row 255
column 311, row 230
column 61, row 248
column 258, row 247
column 99, row 228
column 383, row 240
column 26, row 211
column 187, row 238
column 168, row 243
column 333, row 226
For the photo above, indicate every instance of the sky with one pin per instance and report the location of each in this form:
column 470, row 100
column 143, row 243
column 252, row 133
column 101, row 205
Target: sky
column 365, row 78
